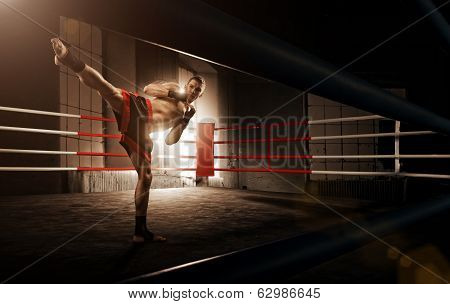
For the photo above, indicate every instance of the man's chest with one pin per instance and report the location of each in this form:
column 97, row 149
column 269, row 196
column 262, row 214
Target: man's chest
column 168, row 109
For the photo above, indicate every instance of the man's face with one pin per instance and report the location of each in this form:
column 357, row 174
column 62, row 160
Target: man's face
column 193, row 90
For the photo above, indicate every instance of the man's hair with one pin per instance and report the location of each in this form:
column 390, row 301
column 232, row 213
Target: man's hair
column 199, row 79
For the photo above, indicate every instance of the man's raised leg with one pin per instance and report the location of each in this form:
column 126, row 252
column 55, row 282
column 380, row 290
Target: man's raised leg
column 87, row 75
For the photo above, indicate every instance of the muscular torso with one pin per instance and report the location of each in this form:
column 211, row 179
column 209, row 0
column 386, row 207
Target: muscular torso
column 165, row 112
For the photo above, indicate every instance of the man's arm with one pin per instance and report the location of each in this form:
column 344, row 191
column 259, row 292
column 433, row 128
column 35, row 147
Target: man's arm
column 175, row 133
column 161, row 88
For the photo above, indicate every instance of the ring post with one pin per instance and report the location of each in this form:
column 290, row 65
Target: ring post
column 205, row 149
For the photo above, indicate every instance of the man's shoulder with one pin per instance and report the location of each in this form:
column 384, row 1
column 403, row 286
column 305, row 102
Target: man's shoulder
column 159, row 82
column 164, row 82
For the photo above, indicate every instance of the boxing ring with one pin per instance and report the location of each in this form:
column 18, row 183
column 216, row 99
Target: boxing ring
column 252, row 263
column 259, row 263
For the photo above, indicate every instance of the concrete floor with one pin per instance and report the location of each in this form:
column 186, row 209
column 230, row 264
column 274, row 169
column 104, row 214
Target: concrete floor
column 86, row 238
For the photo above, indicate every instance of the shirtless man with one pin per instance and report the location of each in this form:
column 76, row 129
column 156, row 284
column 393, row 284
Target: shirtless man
column 137, row 117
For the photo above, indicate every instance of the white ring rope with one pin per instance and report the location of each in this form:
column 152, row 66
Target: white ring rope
column 42, row 131
column 18, row 110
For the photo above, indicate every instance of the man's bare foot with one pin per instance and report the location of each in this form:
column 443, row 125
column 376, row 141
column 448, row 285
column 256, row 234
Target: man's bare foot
column 60, row 50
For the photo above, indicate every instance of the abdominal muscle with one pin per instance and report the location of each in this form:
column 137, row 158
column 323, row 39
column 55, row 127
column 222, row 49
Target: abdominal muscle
column 165, row 112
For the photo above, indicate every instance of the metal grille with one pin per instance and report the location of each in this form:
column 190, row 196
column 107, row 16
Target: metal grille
column 391, row 190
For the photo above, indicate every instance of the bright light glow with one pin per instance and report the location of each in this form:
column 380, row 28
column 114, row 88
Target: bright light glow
column 188, row 135
column 217, row 165
column 187, row 149
column 158, row 148
column 157, row 137
column 169, row 156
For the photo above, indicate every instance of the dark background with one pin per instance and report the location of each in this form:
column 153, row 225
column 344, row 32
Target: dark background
column 340, row 31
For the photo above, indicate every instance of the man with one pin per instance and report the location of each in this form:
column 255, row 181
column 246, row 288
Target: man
column 137, row 117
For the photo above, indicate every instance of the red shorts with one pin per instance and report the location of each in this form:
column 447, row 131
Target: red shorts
column 135, row 115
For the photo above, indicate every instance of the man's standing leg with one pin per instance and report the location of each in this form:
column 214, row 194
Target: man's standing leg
column 141, row 199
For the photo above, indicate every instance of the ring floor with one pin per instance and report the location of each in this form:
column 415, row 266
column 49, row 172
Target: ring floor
column 86, row 238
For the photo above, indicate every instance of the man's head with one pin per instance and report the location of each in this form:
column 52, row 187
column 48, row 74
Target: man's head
column 194, row 88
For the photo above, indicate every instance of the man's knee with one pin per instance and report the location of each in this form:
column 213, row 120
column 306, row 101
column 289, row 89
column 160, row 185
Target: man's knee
column 107, row 91
column 146, row 177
